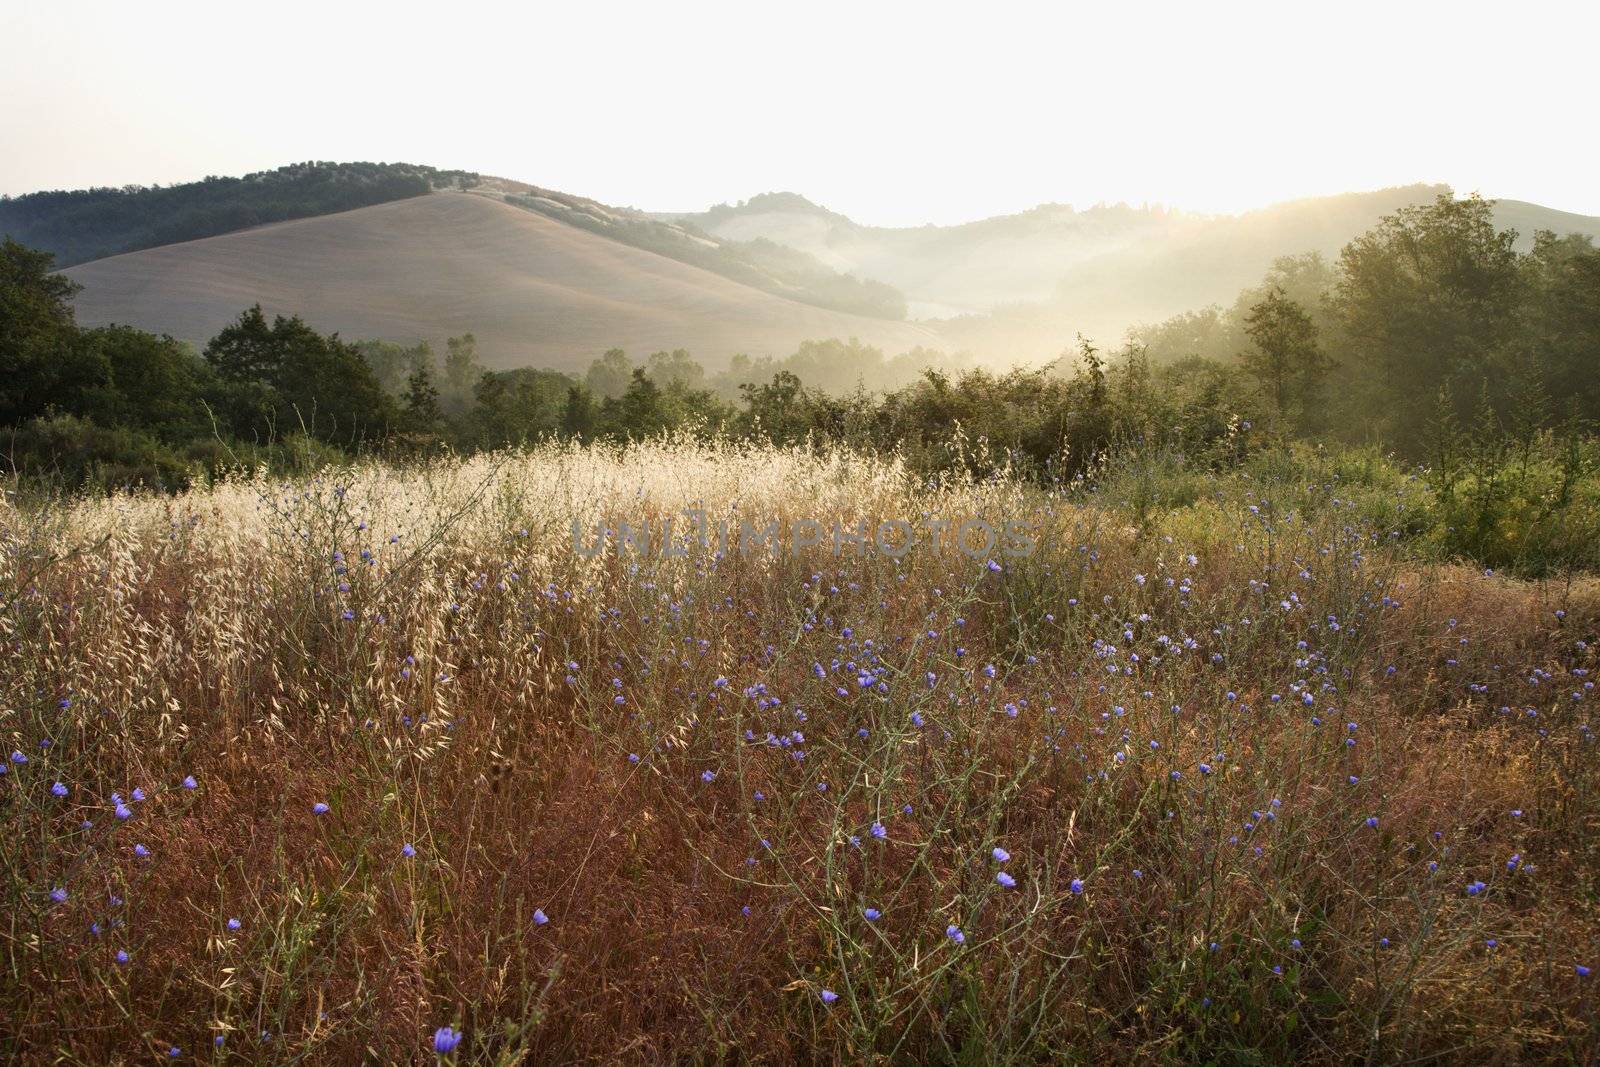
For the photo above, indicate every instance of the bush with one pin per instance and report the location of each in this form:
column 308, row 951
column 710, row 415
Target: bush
column 64, row 453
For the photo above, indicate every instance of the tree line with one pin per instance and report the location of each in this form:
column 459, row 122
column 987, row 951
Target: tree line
column 1429, row 322
column 83, row 224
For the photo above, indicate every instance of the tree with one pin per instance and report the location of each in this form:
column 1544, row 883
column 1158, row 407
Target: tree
column 420, row 413
column 394, row 364
column 287, row 375
column 154, row 384
column 666, row 368
column 516, row 406
column 1563, row 319
column 1428, row 298
column 1284, row 357
column 609, row 375
column 461, row 370
column 638, row 413
column 579, row 415
column 42, row 360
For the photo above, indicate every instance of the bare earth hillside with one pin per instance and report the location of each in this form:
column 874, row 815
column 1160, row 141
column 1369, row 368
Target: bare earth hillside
column 535, row 291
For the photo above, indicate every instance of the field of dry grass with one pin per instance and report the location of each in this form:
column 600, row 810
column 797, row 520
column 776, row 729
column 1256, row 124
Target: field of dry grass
column 305, row 772
column 534, row 291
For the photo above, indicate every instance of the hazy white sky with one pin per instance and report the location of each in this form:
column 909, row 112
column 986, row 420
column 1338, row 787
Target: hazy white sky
column 894, row 113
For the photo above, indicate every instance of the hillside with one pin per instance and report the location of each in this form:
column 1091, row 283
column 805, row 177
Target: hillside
column 1053, row 271
column 535, row 291
column 779, row 269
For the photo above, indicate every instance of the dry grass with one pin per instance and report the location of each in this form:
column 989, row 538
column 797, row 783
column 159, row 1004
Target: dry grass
column 428, row 698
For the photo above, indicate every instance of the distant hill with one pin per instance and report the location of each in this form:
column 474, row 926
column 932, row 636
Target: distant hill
column 1021, row 285
column 84, row 224
column 535, row 291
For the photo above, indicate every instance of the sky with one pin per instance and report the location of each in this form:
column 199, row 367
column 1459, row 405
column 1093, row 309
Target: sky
column 892, row 113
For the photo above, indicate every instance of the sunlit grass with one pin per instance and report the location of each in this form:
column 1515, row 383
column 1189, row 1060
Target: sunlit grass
column 1243, row 758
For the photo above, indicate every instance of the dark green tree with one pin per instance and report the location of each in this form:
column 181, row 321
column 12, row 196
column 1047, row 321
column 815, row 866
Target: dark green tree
column 1427, row 298
column 43, row 362
column 287, row 376
column 1284, row 357
column 640, row 412
column 420, row 412
column 579, row 416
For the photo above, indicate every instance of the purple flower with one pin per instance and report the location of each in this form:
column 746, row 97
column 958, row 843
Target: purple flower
column 1580, row 970
column 1005, row 880
column 59, row 789
column 1077, row 885
column 445, row 1040
column 234, row 924
column 190, row 783
column 58, row 895
column 828, row 996
column 872, row 915
column 879, row 831
column 407, row 850
column 1000, row 855
column 953, row 932
column 539, row 917
column 319, row 808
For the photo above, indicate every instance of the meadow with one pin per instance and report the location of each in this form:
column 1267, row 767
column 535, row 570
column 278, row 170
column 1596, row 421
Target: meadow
column 375, row 764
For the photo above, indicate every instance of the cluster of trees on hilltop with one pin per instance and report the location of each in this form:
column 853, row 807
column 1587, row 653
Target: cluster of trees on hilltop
column 85, row 224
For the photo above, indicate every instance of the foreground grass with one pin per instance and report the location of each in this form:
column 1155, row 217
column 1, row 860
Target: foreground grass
column 305, row 771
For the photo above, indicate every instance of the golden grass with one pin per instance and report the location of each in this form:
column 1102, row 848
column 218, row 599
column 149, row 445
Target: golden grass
column 150, row 638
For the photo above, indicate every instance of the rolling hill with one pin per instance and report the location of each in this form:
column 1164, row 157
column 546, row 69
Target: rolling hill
column 1023, row 284
column 545, row 278
column 534, row 290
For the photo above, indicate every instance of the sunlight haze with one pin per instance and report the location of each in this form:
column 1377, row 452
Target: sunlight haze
column 894, row 114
